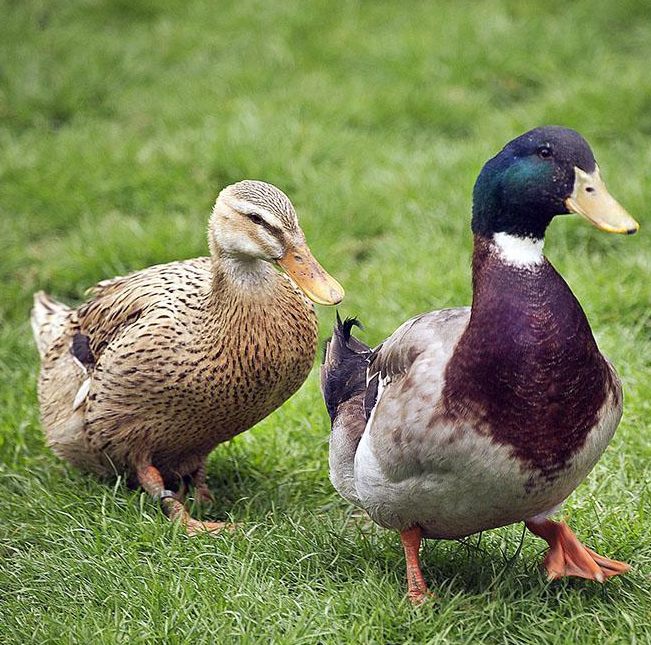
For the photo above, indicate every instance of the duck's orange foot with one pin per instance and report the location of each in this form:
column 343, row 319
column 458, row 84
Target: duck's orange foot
column 418, row 596
column 568, row 557
column 196, row 527
column 152, row 481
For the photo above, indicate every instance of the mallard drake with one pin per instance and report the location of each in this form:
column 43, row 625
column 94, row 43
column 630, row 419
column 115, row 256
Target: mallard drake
column 159, row 367
column 473, row 418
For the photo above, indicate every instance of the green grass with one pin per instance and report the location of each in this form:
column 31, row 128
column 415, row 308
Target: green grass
column 119, row 123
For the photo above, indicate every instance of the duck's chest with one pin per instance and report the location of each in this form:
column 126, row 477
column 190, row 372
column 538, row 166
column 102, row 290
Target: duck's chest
column 527, row 371
column 255, row 359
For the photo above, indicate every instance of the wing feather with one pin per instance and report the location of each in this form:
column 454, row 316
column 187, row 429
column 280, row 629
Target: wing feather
column 119, row 303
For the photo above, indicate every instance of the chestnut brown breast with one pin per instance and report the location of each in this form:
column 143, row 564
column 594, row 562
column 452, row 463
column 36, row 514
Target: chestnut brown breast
column 527, row 369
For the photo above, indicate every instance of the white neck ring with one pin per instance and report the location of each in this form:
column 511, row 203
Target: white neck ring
column 521, row 252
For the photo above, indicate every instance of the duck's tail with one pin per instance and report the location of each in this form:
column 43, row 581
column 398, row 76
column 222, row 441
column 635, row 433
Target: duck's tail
column 49, row 320
column 343, row 373
column 343, row 384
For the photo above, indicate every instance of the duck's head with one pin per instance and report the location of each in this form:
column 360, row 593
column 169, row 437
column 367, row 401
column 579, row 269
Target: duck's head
column 545, row 172
column 253, row 221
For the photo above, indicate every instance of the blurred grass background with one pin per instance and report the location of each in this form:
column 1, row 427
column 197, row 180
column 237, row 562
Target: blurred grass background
column 120, row 122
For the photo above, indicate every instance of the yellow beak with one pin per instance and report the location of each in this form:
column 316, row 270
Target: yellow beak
column 310, row 276
column 591, row 200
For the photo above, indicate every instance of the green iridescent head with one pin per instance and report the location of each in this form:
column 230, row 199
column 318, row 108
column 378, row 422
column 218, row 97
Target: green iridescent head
column 545, row 172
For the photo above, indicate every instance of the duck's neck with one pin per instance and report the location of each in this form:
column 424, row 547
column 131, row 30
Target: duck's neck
column 527, row 365
column 519, row 252
column 243, row 272
column 243, row 279
column 237, row 288
column 505, row 267
column 517, row 292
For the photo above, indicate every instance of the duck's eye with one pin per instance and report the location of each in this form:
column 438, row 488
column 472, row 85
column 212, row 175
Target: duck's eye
column 544, row 152
column 255, row 218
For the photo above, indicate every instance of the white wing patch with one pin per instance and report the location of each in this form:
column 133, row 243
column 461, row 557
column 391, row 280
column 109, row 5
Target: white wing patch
column 81, row 395
column 79, row 364
column 381, row 385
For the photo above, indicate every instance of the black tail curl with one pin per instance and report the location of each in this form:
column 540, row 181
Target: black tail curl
column 343, row 374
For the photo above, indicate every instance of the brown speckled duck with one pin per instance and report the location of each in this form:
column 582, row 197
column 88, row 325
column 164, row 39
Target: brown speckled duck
column 159, row 367
column 474, row 418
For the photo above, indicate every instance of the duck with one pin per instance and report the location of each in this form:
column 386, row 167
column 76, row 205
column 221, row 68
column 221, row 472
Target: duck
column 473, row 418
column 157, row 368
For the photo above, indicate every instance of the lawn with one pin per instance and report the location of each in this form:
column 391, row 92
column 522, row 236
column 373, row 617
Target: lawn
column 119, row 123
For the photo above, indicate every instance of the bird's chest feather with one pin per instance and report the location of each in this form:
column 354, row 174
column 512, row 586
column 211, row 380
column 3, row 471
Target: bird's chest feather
column 251, row 364
column 527, row 371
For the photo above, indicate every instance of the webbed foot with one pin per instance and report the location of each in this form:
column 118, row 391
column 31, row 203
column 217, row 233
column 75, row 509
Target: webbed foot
column 568, row 557
column 152, row 481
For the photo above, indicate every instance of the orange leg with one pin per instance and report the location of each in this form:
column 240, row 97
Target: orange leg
column 568, row 557
column 152, row 481
column 411, row 539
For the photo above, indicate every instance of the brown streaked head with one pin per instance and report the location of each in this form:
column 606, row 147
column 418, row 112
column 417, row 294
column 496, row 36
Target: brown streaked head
column 254, row 220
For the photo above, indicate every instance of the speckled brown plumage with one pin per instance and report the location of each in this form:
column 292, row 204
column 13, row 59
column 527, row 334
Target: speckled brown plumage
column 159, row 367
column 184, row 362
